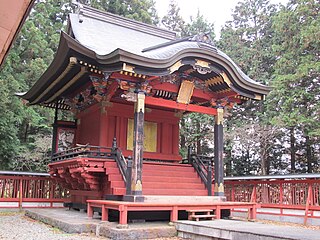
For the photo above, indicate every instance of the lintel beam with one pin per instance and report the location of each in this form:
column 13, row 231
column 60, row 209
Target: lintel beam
column 179, row 106
column 197, row 93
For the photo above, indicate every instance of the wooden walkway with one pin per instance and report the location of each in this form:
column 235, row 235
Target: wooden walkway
column 173, row 207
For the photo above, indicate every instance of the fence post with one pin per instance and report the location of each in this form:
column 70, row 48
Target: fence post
column 128, row 176
column 281, row 193
column 20, row 193
column 51, row 195
column 209, row 179
column 233, row 193
column 308, row 203
column 254, row 194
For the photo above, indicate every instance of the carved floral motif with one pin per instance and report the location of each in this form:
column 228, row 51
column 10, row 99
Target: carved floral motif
column 92, row 94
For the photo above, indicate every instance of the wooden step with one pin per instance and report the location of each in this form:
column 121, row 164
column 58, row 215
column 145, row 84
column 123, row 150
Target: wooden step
column 115, row 177
column 118, row 191
column 185, row 179
column 176, row 192
column 114, row 184
column 112, row 170
column 110, row 164
column 205, row 216
column 167, row 168
column 176, row 185
column 182, row 199
column 156, row 172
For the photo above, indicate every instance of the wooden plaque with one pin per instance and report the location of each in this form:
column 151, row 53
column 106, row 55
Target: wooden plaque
column 185, row 92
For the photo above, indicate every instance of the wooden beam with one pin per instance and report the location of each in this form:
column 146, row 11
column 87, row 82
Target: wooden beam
column 197, row 93
column 227, row 94
column 179, row 106
column 134, row 78
column 112, row 90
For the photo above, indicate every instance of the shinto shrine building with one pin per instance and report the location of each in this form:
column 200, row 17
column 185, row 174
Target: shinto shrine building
column 128, row 84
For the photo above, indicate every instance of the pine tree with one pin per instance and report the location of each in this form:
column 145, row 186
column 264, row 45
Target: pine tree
column 140, row 10
column 173, row 21
column 247, row 40
column 32, row 52
column 297, row 73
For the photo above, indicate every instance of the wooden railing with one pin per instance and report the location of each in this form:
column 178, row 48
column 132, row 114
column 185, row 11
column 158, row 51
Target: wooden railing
column 84, row 150
column 125, row 165
column 24, row 189
column 300, row 192
column 203, row 166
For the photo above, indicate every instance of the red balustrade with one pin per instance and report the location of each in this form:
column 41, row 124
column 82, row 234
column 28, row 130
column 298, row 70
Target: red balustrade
column 30, row 190
column 289, row 192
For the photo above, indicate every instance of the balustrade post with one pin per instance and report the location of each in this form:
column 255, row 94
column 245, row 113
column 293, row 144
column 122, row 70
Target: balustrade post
column 20, row 193
column 189, row 154
column 281, row 194
column 209, row 179
column 114, row 145
column 128, row 176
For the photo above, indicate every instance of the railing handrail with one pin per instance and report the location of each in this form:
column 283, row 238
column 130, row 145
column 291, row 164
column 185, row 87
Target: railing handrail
column 273, row 177
column 203, row 168
column 31, row 174
column 87, row 150
column 122, row 163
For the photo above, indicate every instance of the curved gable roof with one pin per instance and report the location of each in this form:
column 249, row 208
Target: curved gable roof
column 109, row 41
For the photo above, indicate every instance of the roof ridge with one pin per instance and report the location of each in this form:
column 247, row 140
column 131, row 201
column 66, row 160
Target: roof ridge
column 200, row 38
column 87, row 11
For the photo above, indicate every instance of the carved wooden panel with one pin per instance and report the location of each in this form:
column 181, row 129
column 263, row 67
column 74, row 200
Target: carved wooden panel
column 150, row 136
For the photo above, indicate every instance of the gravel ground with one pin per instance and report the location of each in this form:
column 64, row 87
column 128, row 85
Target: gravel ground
column 17, row 226
column 14, row 225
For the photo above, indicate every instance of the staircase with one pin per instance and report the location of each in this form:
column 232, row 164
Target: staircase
column 158, row 179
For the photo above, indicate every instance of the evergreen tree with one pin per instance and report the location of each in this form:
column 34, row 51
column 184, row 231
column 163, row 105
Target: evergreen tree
column 140, row 10
column 198, row 25
column 297, row 74
column 247, row 40
column 173, row 21
column 32, row 52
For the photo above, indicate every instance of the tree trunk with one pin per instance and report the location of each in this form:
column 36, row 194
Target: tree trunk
column 292, row 150
column 309, row 154
column 26, row 130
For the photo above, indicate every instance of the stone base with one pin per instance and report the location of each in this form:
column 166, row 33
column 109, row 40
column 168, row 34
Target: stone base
column 75, row 222
column 133, row 198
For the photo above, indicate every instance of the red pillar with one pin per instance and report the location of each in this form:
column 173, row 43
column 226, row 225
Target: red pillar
column 175, row 139
column 103, row 133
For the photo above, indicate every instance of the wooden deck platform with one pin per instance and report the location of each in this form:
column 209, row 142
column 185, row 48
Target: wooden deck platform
column 173, row 207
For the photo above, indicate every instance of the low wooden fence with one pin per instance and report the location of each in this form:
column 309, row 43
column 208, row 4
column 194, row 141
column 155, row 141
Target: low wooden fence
column 286, row 192
column 24, row 189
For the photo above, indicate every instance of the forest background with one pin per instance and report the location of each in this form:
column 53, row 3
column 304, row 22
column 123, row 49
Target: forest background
column 276, row 45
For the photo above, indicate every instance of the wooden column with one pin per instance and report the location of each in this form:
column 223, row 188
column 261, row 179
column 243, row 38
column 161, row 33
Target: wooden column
column 55, row 131
column 218, row 154
column 136, row 176
column 103, row 133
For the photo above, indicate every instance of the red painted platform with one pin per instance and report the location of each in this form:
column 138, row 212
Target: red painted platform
column 173, row 207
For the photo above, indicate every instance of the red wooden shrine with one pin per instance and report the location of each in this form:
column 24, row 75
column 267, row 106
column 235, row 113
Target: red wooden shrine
column 128, row 84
